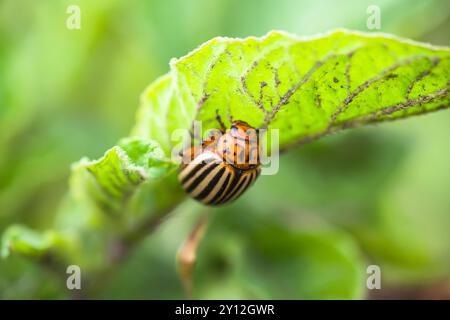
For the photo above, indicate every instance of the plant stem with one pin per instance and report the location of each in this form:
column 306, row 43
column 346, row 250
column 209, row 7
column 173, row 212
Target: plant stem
column 187, row 255
column 121, row 248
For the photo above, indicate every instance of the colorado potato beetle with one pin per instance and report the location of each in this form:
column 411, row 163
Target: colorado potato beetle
column 225, row 166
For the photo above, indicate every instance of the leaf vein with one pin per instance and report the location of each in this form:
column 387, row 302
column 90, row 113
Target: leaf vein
column 366, row 84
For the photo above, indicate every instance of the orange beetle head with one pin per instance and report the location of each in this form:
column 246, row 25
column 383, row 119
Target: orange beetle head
column 239, row 146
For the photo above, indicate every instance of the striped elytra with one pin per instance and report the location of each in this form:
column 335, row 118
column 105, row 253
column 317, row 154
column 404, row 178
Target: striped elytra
column 224, row 169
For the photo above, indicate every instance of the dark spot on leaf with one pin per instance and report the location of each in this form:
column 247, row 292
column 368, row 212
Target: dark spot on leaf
column 392, row 76
column 335, row 80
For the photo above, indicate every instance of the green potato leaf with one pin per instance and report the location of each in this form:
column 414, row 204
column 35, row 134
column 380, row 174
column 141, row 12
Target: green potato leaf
column 305, row 87
column 109, row 182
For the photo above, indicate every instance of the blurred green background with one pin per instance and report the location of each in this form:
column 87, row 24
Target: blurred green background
column 378, row 195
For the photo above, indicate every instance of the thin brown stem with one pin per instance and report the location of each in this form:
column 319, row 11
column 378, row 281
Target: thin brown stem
column 187, row 255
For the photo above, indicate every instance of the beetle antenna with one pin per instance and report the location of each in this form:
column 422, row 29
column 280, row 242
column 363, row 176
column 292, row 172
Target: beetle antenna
column 230, row 117
column 219, row 119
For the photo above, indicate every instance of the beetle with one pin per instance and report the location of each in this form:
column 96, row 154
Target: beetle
column 226, row 165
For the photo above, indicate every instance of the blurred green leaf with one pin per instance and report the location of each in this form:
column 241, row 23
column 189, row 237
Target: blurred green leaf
column 19, row 239
column 269, row 260
column 305, row 87
column 310, row 264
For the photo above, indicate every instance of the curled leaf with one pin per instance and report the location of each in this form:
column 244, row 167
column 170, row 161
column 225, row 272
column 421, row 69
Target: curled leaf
column 110, row 181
